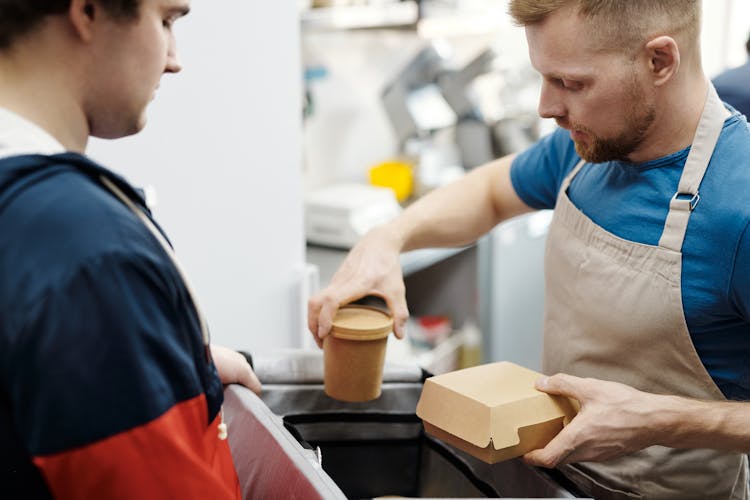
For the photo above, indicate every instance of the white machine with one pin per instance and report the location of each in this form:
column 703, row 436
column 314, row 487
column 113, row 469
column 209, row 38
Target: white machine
column 340, row 214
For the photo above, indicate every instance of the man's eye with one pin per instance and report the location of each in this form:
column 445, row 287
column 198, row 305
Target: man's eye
column 571, row 84
column 558, row 82
column 566, row 84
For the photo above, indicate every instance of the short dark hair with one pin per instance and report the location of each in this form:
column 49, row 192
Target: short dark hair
column 19, row 17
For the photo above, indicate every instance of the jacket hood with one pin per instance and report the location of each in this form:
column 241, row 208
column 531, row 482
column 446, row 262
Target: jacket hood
column 17, row 171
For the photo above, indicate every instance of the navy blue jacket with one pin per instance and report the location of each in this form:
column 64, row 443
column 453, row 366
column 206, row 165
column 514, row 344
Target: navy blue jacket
column 105, row 383
column 733, row 86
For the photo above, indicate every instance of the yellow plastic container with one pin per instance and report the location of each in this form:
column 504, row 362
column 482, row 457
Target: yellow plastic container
column 396, row 175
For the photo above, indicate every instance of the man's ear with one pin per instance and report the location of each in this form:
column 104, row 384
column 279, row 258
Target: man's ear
column 663, row 59
column 82, row 14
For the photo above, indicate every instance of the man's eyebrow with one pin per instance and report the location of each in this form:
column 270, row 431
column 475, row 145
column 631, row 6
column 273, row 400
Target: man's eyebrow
column 179, row 11
column 566, row 76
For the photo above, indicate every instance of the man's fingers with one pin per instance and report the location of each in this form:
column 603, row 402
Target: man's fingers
column 233, row 368
column 540, row 458
column 313, row 313
column 562, row 446
column 562, row 385
column 313, row 310
column 321, row 310
column 250, row 380
column 400, row 314
column 325, row 318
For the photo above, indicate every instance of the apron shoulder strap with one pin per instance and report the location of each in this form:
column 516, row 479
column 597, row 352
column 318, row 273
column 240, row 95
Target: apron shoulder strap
column 686, row 198
column 167, row 248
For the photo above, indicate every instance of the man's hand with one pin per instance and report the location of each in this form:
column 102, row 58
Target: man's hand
column 372, row 267
column 614, row 420
column 233, row 368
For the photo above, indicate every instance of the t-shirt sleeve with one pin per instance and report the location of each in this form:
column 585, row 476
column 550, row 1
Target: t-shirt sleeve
column 538, row 172
column 107, row 382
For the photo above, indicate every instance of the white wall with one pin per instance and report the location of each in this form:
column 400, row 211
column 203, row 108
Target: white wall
column 223, row 150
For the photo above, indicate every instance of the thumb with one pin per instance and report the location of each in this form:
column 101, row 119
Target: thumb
column 541, row 458
column 554, row 453
column 249, row 379
column 400, row 314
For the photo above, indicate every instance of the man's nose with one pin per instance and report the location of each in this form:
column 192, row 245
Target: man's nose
column 173, row 61
column 173, row 65
column 550, row 103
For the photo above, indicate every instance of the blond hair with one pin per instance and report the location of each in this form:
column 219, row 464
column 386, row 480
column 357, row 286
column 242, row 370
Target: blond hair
column 620, row 24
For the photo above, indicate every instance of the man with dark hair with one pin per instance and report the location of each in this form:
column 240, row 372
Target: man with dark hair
column 647, row 293
column 733, row 85
column 109, row 387
column 18, row 17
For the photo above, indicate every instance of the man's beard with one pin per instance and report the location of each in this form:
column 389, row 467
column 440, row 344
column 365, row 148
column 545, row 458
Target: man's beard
column 638, row 122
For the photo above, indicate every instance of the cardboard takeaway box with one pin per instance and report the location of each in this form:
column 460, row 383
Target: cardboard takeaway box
column 493, row 411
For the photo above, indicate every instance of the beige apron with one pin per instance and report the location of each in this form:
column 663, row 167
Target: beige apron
column 614, row 312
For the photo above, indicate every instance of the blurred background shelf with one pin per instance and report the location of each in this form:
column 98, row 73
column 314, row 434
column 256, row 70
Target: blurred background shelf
column 385, row 15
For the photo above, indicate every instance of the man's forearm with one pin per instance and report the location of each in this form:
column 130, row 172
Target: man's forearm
column 704, row 424
column 461, row 212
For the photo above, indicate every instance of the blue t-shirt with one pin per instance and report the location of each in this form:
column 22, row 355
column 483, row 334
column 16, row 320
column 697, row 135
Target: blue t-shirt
column 631, row 200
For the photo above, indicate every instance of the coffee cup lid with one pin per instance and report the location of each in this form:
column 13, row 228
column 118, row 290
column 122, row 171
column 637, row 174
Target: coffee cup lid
column 355, row 322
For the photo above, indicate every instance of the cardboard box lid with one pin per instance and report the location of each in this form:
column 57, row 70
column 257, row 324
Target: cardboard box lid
column 490, row 403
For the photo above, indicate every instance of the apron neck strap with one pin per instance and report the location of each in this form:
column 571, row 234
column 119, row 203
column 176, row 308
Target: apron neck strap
column 167, row 248
column 569, row 178
column 687, row 197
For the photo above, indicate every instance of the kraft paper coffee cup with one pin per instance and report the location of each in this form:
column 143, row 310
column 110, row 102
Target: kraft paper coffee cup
column 354, row 353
